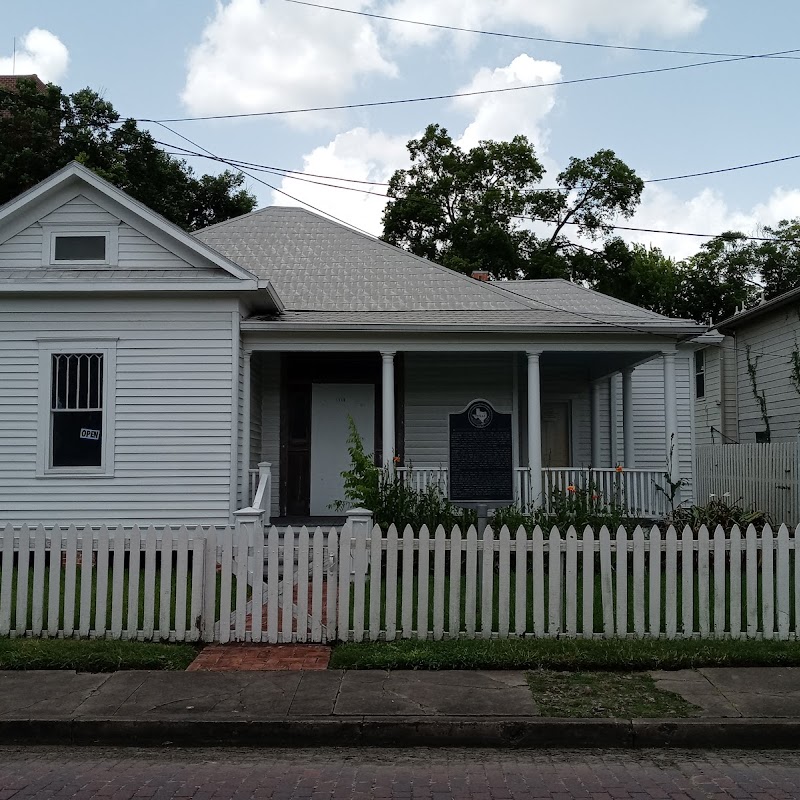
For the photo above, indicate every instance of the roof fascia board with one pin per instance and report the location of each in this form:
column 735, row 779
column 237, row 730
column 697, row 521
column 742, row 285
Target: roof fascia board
column 750, row 314
column 79, row 176
column 96, row 287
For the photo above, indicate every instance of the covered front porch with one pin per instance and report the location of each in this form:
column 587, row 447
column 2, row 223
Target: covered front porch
column 601, row 417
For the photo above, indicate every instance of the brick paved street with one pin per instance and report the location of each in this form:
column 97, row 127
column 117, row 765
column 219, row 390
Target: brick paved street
column 317, row 774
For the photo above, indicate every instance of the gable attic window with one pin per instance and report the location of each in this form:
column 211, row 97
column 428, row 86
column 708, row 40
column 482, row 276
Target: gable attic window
column 76, row 408
column 77, row 246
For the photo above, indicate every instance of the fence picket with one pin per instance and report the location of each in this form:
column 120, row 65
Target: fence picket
column 782, row 588
column 735, row 583
column 5, row 580
column 316, row 585
column 503, row 582
column 638, row 582
column 149, row 588
column 797, row 581
column 287, row 587
column 537, row 582
column 101, row 582
column 423, row 579
column 134, row 567
column 87, row 554
column 240, row 543
column 703, row 548
column 606, row 586
column 54, row 584
column 273, row 585
column 406, row 618
column 671, row 584
column 487, row 583
column 767, row 582
column 438, row 584
column 392, row 549
column 332, row 586
column 454, row 620
column 622, row 582
column 303, row 568
column 375, row 569
column 37, row 615
column 117, row 583
column 520, row 575
column 720, row 589
column 181, row 548
column 345, row 570
column 198, row 586
column 23, row 563
column 687, row 582
column 471, row 582
column 654, row 567
column 359, row 579
column 751, row 565
column 587, row 617
column 554, row 576
column 165, row 590
column 571, row 582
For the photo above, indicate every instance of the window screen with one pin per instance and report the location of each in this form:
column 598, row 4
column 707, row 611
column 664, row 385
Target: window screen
column 80, row 248
column 76, row 410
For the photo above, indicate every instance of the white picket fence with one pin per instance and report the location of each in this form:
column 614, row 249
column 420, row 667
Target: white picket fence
column 190, row 583
column 759, row 476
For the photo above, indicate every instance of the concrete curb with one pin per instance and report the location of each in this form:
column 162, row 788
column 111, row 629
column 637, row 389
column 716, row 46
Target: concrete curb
column 409, row 732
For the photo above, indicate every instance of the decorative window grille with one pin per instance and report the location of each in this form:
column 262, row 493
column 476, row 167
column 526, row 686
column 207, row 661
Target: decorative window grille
column 76, row 410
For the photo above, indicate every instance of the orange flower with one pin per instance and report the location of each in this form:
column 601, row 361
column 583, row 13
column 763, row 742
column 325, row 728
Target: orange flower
column 619, row 468
column 595, row 497
column 396, row 459
column 571, row 488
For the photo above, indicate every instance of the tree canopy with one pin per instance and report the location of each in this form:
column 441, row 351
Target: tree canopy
column 42, row 131
column 483, row 209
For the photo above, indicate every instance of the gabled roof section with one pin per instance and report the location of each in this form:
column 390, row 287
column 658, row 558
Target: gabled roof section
column 767, row 307
column 319, row 265
column 203, row 262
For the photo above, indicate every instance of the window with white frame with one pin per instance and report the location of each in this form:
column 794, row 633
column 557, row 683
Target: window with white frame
column 77, row 246
column 76, row 419
column 700, row 374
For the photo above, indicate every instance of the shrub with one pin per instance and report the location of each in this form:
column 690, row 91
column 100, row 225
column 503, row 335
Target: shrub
column 718, row 511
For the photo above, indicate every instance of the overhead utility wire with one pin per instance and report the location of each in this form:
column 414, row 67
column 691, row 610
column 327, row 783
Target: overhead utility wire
column 506, row 35
column 475, row 93
column 615, row 325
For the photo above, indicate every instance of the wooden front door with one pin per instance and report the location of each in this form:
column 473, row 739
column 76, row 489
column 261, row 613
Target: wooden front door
column 555, row 435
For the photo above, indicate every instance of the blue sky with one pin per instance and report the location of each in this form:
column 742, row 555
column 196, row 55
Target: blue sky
column 198, row 57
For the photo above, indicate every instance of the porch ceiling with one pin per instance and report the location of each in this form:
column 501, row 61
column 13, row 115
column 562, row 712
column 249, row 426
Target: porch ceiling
column 596, row 364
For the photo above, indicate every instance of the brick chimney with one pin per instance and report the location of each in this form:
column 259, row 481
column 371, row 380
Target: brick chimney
column 480, row 274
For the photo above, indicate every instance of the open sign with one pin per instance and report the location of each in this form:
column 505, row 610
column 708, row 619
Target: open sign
column 90, row 433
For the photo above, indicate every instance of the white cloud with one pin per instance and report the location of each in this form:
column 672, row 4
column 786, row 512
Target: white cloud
column 39, row 52
column 257, row 55
column 620, row 19
column 357, row 154
column 502, row 116
column 705, row 212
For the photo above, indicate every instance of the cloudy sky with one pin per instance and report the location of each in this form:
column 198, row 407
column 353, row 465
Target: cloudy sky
column 188, row 58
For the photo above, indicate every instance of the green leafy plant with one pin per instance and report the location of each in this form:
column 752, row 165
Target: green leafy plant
column 718, row 511
column 391, row 499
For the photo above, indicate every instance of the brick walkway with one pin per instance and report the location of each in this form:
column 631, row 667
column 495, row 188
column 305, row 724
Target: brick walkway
column 260, row 657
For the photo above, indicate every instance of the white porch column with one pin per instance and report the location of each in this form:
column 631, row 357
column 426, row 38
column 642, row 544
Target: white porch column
column 597, row 410
column 671, row 420
column 629, row 450
column 534, row 428
column 387, row 393
column 246, row 411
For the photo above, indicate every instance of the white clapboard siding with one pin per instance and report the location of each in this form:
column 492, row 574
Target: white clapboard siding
column 173, row 405
column 759, row 476
column 207, row 582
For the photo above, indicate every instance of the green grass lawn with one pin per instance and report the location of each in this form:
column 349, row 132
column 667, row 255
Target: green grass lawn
column 93, row 655
column 572, row 655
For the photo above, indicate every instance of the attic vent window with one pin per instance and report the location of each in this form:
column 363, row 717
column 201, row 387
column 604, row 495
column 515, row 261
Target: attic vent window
column 79, row 248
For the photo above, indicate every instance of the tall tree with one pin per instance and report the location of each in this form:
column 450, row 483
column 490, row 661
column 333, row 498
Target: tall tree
column 42, row 131
column 469, row 209
column 778, row 261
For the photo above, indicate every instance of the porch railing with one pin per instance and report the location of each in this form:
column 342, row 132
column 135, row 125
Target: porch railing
column 635, row 489
column 260, row 489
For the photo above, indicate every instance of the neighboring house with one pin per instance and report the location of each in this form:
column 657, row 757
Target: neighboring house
column 748, row 380
column 145, row 372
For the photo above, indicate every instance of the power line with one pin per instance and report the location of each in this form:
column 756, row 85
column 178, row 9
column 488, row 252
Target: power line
column 724, row 169
column 475, row 93
column 545, row 40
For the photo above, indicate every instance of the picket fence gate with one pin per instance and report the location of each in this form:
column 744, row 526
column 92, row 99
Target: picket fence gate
column 193, row 583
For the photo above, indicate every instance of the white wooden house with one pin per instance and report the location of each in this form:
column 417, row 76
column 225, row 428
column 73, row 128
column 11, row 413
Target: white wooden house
column 145, row 373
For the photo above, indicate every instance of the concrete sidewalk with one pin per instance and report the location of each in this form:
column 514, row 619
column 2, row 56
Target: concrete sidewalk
column 738, row 707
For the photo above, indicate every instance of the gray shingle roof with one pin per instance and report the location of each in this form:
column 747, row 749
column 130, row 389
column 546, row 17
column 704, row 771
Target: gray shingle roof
column 328, row 274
